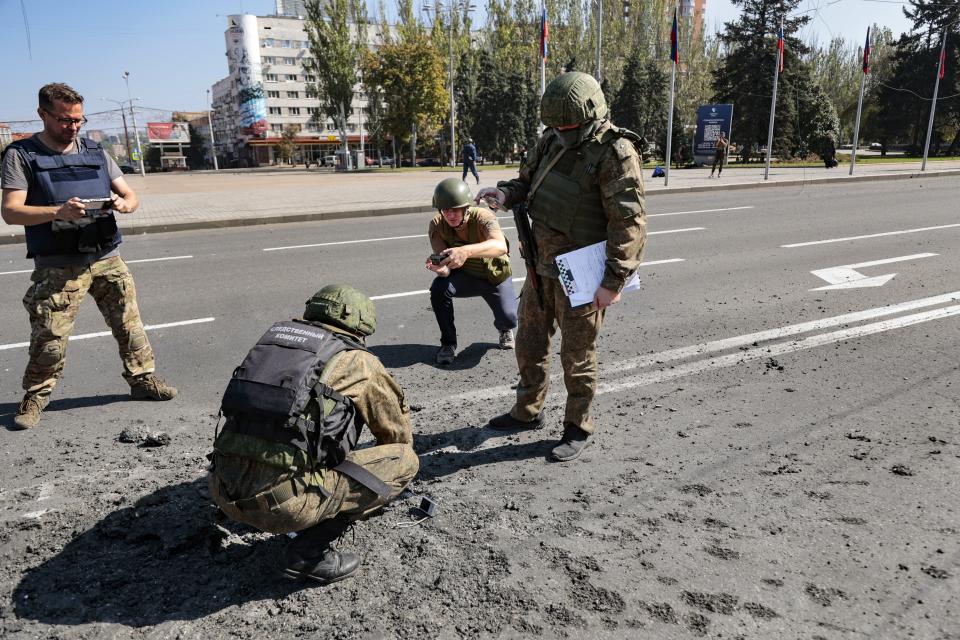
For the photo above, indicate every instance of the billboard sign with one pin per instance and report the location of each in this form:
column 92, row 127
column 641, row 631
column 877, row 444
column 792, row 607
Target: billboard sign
column 712, row 119
column 168, row 132
column 243, row 52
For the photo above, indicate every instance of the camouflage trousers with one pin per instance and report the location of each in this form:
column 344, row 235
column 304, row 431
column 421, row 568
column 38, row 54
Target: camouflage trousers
column 53, row 301
column 395, row 464
column 579, row 328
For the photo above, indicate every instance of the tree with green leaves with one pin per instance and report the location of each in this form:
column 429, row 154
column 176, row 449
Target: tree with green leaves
column 411, row 76
column 641, row 103
column 744, row 77
column 906, row 99
column 337, row 33
column 196, row 153
column 287, row 145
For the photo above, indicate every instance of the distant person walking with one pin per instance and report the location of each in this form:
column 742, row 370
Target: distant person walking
column 469, row 157
column 720, row 153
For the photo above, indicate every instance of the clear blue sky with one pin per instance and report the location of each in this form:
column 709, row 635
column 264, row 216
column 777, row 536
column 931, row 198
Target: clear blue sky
column 174, row 49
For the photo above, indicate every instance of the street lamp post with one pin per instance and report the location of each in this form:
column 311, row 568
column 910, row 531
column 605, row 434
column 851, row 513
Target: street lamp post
column 213, row 142
column 133, row 117
column 123, row 115
column 453, row 106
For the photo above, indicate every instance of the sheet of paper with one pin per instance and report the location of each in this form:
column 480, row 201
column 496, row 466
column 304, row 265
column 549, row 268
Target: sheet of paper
column 581, row 272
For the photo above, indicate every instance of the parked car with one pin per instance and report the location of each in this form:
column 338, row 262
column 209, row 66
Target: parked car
column 876, row 146
column 428, row 162
column 329, row 161
column 127, row 168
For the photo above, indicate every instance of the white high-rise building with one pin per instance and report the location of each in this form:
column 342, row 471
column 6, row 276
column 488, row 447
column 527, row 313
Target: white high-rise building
column 266, row 92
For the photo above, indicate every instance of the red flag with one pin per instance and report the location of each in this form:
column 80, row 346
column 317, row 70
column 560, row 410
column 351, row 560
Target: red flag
column 674, row 40
column 780, row 46
column 943, row 61
column 544, row 32
column 866, row 53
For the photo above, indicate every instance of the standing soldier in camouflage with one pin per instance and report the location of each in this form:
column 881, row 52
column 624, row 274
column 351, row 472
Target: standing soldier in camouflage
column 284, row 459
column 582, row 185
column 54, row 184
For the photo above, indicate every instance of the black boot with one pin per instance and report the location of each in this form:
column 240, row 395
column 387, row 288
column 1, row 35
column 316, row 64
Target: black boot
column 572, row 444
column 312, row 555
column 506, row 422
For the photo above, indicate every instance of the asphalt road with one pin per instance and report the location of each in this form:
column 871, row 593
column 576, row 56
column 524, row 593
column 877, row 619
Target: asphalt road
column 802, row 437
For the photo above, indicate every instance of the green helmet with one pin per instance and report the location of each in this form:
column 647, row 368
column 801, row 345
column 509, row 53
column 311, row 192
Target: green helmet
column 343, row 306
column 572, row 98
column 452, row 193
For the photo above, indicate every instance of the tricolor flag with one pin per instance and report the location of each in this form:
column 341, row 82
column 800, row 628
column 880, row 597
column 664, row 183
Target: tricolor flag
column 674, row 40
column 943, row 59
column 544, row 33
column 866, row 53
column 780, row 47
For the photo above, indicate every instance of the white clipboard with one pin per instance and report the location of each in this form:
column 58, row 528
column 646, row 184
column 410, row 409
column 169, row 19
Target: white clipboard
column 581, row 272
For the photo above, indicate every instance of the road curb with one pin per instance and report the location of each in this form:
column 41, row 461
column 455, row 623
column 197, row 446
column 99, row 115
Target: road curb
column 162, row 227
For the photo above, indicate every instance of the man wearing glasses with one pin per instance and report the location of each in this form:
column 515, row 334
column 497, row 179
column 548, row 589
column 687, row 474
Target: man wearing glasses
column 64, row 190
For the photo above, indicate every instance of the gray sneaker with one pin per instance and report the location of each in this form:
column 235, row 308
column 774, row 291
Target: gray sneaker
column 506, row 339
column 447, row 354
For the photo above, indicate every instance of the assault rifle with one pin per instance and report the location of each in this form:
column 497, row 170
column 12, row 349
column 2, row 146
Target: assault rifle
column 528, row 247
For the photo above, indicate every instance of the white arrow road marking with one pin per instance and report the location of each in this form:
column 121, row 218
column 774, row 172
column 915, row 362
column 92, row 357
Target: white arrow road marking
column 872, row 235
column 847, row 277
column 101, row 334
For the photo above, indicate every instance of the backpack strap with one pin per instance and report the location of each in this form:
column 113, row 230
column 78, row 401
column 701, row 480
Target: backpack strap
column 364, row 477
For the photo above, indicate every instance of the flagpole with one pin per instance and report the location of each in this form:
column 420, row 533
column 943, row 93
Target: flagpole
column 674, row 57
column 773, row 103
column 673, row 75
column 863, row 82
column 543, row 56
column 933, row 105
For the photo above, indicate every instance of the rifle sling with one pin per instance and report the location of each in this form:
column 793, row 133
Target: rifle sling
column 543, row 175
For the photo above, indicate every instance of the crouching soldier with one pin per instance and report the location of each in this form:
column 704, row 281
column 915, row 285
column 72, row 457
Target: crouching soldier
column 284, row 460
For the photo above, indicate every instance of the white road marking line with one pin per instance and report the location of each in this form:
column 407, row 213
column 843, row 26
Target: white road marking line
column 778, row 349
column 423, row 235
column 725, row 344
column 872, row 235
column 10, row 273
column 101, row 334
column 672, row 213
column 733, row 359
column 404, row 294
column 657, row 233
column 331, row 244
column 159, row 259
column 682, row 213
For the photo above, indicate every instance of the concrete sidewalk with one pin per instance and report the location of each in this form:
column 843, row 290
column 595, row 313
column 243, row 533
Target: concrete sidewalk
column 197, row 200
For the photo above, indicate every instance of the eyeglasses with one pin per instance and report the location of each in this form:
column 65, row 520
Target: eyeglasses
column 66, row 122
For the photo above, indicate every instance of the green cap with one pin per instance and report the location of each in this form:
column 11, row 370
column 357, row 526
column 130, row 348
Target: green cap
column 572, row 98
column 342, row 306
column 452, row 193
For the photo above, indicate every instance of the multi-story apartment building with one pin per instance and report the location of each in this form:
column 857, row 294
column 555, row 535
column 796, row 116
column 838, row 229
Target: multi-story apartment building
column 266, row 92
column 6, row 136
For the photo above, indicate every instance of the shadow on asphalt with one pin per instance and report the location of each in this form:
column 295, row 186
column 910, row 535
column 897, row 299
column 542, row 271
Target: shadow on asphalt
column 436, row 462
column 397, row 356
column 164, row 558
column 7, row 409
